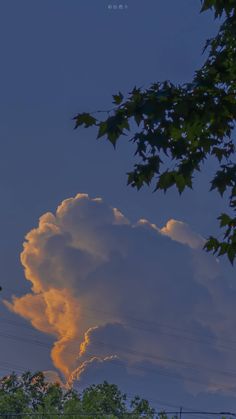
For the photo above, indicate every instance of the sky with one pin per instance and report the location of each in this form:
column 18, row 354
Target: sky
column 117, row 286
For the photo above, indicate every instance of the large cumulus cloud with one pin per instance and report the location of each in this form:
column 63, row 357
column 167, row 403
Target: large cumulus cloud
column 124, row 301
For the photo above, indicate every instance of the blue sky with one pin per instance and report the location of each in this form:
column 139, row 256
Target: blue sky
column 59, row 58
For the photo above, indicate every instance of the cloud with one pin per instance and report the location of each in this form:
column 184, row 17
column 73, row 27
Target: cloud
column 182, row 233
column 126, row 300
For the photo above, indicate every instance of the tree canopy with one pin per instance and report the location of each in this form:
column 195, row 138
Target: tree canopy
column 178, row 128
column 29, row 393
column 30, row 396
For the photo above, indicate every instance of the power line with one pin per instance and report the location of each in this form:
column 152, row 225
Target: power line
column 187, row 336
column 162, row 372
column 168, row 360
column 162, row 325
column 148, row 330
column 145, row 356
column 200, row 412
column 78, row 415
column 135, row 353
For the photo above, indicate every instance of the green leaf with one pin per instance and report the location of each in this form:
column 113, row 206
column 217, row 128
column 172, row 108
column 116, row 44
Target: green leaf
column 224, row 220
column 180, row 182
column 118, row 98
column 84, row 119
column 206, row 4
column 223, row 249
column 166, row 180
column 102, row 129
column 138, row 118
column 212, row 244
column 231, row 254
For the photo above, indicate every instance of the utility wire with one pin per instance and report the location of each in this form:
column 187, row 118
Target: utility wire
column 214, row 340
column 161, row 370
column 144, row 355
column 189, row 335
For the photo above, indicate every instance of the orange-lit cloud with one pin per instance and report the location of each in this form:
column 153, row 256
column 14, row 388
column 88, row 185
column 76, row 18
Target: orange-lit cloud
column 182, row 233
column 109, row 292
column 55, row 312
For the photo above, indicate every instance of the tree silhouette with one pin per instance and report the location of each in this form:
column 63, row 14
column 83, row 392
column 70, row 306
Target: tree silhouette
column 177, row 128
column 26, row 394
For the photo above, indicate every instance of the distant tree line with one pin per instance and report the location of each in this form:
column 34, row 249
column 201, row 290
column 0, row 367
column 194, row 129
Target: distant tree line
column 30, row 394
